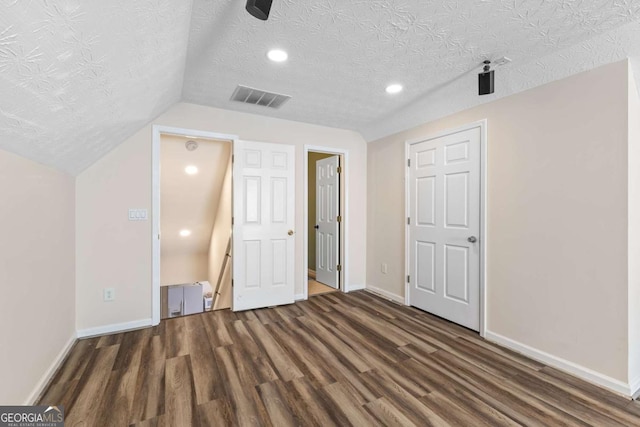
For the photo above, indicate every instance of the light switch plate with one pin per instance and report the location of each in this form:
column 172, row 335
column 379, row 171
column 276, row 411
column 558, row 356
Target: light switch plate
column 109, row 294
column 138, row 215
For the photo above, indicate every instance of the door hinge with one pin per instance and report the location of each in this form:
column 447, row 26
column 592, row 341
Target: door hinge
column 339, row 218
column 408, row 221
column 408, row 163
column 339, row 267
column 232, row 220
column 233, row 158
column 339, row 169
column 408, row 279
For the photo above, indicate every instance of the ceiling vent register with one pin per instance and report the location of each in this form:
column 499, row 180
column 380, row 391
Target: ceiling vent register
column 253, row 96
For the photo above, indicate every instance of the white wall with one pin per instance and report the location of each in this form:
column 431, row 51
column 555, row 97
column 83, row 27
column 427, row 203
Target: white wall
column 219, row 240
column 634, row 232
column 178, row 268
column 36, row 274
column 115, row 252
column 557, row 216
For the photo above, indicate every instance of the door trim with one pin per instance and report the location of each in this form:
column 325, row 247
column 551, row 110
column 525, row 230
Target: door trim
column 344, row 208
column 482, row 124
column 157, row 132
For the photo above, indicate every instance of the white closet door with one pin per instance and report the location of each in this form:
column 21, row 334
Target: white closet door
column 444, row 230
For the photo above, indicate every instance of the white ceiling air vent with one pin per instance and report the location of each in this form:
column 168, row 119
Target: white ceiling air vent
column 253, row 96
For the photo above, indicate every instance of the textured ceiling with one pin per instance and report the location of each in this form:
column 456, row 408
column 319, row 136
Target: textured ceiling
column 342, row 54
column 78, row 77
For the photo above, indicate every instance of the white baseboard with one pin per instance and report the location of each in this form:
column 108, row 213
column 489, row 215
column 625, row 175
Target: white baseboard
column 116, row 327
column 634, row 388
column 298, row 297
column 385, row 294
column 352, row 288
column 579, row 371
column 44, row 381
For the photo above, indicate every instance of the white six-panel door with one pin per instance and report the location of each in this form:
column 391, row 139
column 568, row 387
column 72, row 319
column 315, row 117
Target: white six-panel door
column 444, row 230
column 328, row 227
column 263, row 230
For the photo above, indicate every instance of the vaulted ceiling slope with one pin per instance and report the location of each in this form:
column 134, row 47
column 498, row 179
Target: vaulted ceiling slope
column 190, row 201
column 78, row 77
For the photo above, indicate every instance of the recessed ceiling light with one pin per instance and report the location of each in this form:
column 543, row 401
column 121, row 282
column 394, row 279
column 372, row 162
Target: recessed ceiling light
column 185, row 233
column 394, row 88
column 191, row 170
column 277, row 55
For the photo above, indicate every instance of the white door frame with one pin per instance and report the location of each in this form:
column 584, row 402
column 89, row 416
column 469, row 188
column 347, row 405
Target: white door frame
column 158, row 131
column 344, row 197
column 482, row 124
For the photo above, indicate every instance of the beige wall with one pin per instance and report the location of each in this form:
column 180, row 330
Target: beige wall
column 36, row 273
column 180, row 268
column 115, row 252
column 311, row 197
column 219, row 241
column 112, row 251
column 634, row 231
column 557, row 216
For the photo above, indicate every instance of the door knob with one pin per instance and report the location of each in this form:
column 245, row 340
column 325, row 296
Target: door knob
column 290, row 232
column 316, row 226
column 472, row 239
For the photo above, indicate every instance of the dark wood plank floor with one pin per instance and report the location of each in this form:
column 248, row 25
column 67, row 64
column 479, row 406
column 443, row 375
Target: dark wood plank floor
column 335, row 359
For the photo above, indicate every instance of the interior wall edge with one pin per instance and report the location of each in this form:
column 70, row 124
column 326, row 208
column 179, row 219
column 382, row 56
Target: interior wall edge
column 633, row 220
column 564, row 365
column 634, row 386
column 41, row 386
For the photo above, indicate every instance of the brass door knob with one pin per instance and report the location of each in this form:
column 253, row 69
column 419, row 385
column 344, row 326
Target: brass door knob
column 290, row 232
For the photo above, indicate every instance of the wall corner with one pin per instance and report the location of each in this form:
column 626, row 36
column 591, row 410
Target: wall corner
column 633, row 236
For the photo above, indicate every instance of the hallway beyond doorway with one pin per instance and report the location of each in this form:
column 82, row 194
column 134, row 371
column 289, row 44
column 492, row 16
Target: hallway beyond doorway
column 317, row 288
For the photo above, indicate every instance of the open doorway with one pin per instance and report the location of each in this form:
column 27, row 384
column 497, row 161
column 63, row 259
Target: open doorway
column 324, row 222
column 194, row 219
column 258, row 217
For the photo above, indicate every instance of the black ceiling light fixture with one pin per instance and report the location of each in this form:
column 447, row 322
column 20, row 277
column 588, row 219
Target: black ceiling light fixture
column 259, row 8
column 485, row 79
